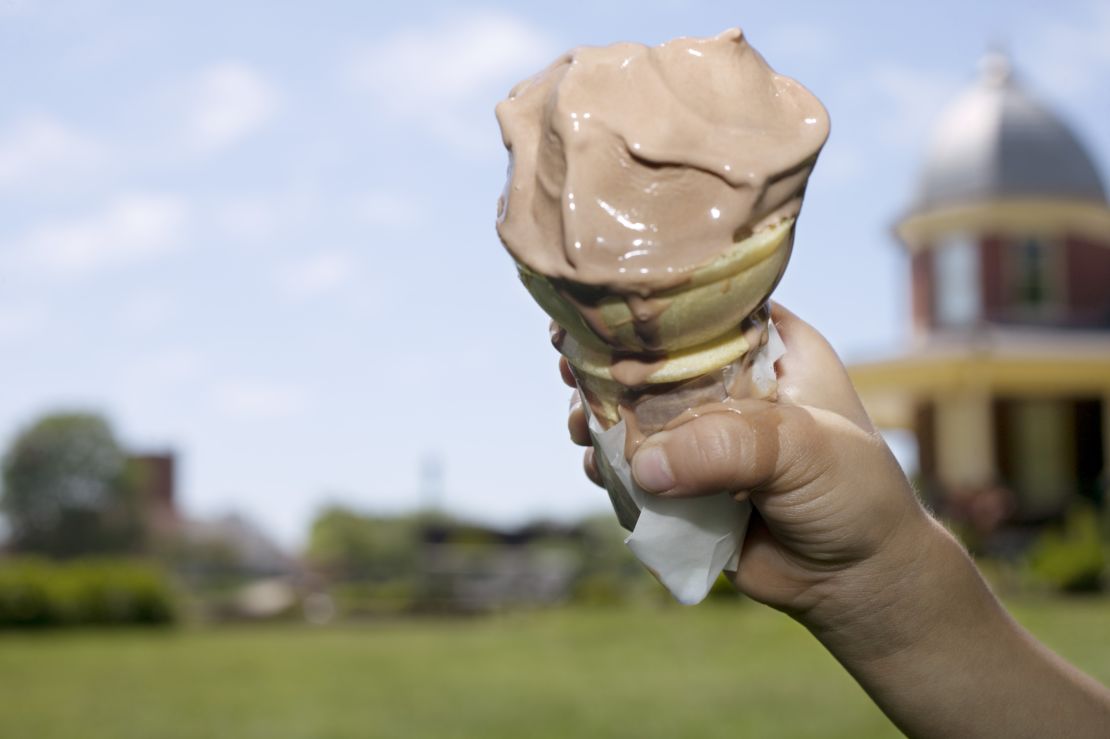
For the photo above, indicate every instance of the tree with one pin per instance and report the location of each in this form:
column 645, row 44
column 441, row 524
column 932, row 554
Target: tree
column 66, row 489
column 357, row 546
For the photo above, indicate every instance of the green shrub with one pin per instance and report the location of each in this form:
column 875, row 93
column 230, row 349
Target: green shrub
column 375, row 598
column 38, row 593
column 1070, row 558
column 602, row 588
column 27, row 596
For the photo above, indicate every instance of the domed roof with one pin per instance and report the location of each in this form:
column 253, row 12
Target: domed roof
column 994, row 141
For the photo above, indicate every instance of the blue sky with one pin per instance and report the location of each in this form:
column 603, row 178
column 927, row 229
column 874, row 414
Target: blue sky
column 261, row 234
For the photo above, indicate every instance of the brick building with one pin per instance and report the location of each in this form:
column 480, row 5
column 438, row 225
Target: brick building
column 1006, row 383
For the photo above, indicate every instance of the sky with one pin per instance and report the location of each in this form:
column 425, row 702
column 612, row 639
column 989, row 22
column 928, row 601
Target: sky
column 261, row 234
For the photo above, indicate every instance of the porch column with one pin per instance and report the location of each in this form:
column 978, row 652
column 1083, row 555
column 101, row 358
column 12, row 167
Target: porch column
column 965, row 439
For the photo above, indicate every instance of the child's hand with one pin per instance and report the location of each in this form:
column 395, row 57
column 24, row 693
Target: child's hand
column 839, row 541
column 837, row 519
column 836, row 516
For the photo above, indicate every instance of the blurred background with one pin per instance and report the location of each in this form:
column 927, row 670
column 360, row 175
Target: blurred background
column 284, row 443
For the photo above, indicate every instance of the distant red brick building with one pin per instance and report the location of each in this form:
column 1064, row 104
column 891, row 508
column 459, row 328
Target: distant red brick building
column 154, row 475
column 1007, row 383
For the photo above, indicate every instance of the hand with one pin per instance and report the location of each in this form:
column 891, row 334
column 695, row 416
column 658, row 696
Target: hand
column 839, row 541
column 578, row 425
column 835, row 516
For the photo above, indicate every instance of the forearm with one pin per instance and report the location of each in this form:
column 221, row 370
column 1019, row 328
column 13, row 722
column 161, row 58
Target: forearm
column 942, row 658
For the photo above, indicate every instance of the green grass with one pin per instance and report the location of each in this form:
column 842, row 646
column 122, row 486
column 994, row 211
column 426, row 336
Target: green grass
column 725, row 670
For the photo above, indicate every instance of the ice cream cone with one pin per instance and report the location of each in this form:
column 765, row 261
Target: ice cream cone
column 738, row 365
column 650, row 209
column 699, row 314
column 669, row 380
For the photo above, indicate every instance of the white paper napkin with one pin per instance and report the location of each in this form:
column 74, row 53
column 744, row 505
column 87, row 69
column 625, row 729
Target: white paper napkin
column 686, row 543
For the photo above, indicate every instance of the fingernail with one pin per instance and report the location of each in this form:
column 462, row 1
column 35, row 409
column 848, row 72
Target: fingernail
column 652, row 470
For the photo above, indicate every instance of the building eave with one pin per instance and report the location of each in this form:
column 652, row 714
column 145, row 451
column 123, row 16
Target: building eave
column 1008, row 365
column 1024, row 216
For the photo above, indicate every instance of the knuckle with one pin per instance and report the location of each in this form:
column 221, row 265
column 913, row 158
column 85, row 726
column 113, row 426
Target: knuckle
column 711, row 450
column 800, row 452
column 805, row 454
column 811, row 454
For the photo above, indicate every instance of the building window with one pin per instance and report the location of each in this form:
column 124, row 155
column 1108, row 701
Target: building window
column 956, row 282
column 1035, row 285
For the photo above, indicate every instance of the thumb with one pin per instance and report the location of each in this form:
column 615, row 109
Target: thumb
column 754, row 446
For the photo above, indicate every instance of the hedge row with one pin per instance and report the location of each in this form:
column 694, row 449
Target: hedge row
column 42, row 593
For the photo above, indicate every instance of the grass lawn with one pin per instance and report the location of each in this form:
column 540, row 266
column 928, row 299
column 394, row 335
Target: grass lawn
column 722, row 670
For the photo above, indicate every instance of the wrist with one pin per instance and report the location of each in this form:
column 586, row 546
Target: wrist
column 938, row 653
column 899, row 600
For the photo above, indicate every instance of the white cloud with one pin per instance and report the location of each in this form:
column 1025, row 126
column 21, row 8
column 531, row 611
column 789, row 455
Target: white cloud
column 168, row 367
column 380, row 208
column 20, row 322
column 907, row 102
column 132, row 228
column 146, row 311
column 432, row 76
column 248, row 218
column 315, row 275
column 13, row 8
column 38, row 148
column 261, row 400
column 1071, row 56
column 230, row 101
column 262, row 217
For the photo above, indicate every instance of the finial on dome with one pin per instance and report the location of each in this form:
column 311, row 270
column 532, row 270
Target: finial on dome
column 995, row 68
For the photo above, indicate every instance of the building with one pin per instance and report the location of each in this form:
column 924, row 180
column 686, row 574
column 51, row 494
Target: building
column 154, row 477
column 473, row 568
column 200, row 547
column 1006, row 384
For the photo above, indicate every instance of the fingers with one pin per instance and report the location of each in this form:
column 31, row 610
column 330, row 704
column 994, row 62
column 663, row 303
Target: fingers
column 565, row 373
column 576, row 421
column 810, row 373
column 589, row 464
column 580, row 435
column 760, row 447
column 578, row 426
